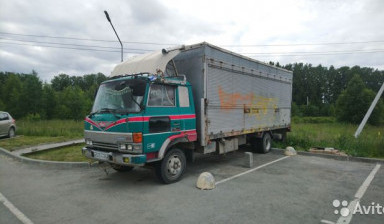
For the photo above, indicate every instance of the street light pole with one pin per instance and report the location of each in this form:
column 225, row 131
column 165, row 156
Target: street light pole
column 121, row 44
column 369, row 112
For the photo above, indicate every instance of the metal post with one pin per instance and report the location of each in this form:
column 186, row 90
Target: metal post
column 368, row 114
column 121, row 44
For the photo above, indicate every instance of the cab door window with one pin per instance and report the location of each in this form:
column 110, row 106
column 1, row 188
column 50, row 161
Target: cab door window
column 161, row 96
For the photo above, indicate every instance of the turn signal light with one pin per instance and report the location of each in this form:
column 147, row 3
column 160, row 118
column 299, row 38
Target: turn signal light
column 137, row 137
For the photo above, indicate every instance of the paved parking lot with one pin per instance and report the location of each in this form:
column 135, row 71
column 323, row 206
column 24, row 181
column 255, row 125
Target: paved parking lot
column 299, row 189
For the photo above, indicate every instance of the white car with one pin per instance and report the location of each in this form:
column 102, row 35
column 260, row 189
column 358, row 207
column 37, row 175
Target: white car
column 7, row 125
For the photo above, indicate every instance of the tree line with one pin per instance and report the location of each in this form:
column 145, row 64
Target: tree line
column 344, row 92
column 66, row 97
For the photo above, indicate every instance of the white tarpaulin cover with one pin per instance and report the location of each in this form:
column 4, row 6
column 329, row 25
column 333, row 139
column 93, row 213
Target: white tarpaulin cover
column 145, row 63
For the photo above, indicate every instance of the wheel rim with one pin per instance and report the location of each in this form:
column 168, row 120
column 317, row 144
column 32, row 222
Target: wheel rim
column 11, row 133
column 267, row 144
column 174, row 165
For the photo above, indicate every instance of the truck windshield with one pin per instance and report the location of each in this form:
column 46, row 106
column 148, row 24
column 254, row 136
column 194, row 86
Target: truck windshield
column 120, row 97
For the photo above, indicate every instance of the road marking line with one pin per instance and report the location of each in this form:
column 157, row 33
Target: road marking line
column 363, row 188
column 359, row 194
column 251, row 170
column 327, row 222
column 24, row 219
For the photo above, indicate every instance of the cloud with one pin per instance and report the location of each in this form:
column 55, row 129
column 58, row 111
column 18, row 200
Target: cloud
column 180, row 22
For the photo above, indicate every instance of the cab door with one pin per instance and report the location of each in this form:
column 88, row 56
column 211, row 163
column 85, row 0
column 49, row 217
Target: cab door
column 161, row 111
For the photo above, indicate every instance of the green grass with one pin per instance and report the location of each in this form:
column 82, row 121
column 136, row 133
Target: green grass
column 370, row 143
column 69, row 153
column 28, row 141
column 51, row 128
column 32, row 133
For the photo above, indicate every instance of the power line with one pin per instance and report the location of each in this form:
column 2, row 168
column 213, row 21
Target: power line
column 291, row 54
column 71, row 48
column 136, row 50
column 314, row 52
column 76, row 45
column 305, row 44
column 85, row 39
column 319, row 54
column 168, row 44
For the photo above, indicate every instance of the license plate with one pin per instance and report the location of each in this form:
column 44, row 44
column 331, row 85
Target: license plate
column 100, row 155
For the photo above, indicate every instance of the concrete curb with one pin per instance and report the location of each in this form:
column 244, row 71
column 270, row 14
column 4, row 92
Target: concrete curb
column 46, row 162
column 337, row 157
column 44, row 147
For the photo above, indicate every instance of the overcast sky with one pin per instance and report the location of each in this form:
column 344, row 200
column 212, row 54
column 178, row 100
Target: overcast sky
column 350, row 32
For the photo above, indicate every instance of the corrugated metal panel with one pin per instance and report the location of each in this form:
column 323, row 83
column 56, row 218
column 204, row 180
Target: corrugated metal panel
column 242, row 94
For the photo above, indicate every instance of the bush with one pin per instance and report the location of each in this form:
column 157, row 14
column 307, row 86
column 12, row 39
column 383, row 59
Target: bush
column 353, row 103
column 314, row 120
column 32, row 117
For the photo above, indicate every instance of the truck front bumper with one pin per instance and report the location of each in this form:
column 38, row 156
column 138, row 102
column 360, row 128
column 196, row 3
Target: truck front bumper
column 115, row 157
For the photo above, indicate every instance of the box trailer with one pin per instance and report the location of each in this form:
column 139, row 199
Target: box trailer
column 162, row 107
column 235, row 95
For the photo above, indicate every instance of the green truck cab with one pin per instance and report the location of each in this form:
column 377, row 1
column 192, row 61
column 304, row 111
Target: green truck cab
column 160, row 108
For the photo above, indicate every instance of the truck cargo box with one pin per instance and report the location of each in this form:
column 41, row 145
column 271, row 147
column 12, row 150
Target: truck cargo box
column 233, row 94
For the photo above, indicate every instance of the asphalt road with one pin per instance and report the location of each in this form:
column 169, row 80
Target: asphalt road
column 299, row 189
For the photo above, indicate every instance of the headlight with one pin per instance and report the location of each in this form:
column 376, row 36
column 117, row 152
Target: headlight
column 126, row 147
column 137, row 149
column 123, row 147
column 88, row 142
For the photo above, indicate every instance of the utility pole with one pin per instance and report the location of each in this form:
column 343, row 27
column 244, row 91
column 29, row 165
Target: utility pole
column 121, row 44
column 365, row 119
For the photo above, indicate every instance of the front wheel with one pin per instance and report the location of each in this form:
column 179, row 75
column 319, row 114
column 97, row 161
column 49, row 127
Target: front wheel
column 11, row 132
column 172, row 167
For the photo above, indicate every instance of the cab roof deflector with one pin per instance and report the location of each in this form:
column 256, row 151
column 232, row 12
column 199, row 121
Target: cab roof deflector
column 147, row 63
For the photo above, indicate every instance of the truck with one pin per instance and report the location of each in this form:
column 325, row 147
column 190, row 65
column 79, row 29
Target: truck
column 161, row 108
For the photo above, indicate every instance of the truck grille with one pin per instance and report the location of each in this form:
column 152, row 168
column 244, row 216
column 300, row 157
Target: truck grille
column 103, row 145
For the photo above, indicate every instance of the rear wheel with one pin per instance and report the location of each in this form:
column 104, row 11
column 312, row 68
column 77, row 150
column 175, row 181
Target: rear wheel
column 121, row 168
column 11, row 132
column 263, row 144
column 172, row 167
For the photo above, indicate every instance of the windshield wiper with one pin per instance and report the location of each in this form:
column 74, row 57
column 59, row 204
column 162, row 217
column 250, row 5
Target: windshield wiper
column 133, row 99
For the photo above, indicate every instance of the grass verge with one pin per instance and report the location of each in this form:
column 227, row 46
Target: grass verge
column 21, row 142
column 69, row 154
column 51, row 128
column 370, row 143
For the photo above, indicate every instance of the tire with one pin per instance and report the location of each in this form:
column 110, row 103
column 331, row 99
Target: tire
column 120, row 168
column 172, row 167
column 11, row 132
column 262, row 145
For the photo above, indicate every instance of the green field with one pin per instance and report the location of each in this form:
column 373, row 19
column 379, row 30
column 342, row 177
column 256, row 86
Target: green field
column 51, row 128
column 28, row 141
column 31, row 133
column 303, row 136
column 69, row 153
